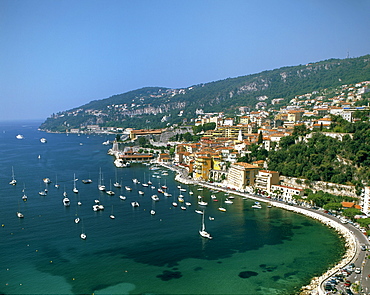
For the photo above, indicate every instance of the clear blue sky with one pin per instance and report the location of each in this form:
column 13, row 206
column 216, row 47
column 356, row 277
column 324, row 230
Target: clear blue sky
column 60, row 54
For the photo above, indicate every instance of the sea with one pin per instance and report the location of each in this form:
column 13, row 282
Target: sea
column 253, row 251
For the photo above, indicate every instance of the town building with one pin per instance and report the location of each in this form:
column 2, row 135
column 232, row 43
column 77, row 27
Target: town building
column 286, row 193
column 241, row 175
column 265, row 179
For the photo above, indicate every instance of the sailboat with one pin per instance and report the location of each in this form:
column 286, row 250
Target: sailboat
column 66, row 201
column 222, row 209
column 43, row 192
column 117, row 184
column 56, row 181
column 101, row 186
column 121, row 196
column 24, row 197
column 201, row 202
column 110, row 192
column 77, row 219
column 83, row 235
column 257, row 205
column 155, row 198
column 144, row 183
column 13, row 181
column 19, row 214
column 75, row 190
column 203, row 231
column 111, row 215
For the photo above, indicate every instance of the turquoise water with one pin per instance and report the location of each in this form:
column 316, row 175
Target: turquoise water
column 266, row 251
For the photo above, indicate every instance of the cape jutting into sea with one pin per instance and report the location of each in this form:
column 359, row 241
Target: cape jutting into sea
column 253, row 251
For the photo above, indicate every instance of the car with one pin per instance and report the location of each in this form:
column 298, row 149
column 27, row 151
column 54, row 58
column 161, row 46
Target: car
column 328, row 287
column 363, row 247
column 358, row 270
column 347, row 283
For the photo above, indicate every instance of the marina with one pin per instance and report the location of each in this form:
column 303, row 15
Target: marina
column 134, row 253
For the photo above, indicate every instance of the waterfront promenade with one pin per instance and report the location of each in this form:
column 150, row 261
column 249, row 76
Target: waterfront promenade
column 354, row 238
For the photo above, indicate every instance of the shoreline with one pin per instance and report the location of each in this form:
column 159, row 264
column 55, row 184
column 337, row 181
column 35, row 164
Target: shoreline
column 315, row 285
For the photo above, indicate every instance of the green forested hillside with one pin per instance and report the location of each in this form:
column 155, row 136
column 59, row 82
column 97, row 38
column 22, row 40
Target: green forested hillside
column 148, row 105
column 324, row 158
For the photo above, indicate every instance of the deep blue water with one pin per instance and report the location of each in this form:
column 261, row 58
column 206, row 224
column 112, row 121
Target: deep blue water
column 266, row 251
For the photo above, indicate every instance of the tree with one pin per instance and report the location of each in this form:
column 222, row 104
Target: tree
column 300, row 130
column 260, row 138
column 333, row 206
column 187, row 136
column 142, row 141
column 351, row 213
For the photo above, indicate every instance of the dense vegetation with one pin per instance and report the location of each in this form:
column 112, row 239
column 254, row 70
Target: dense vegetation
column 147, row 106
column 324, row 158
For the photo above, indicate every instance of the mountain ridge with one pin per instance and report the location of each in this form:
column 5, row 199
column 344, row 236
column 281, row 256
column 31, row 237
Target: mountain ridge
column 160, row 105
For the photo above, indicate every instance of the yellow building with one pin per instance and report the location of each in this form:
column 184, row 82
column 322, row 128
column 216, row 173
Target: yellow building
column 202, row 167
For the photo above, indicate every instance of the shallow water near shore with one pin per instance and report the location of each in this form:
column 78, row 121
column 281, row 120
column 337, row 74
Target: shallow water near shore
column 266, row 251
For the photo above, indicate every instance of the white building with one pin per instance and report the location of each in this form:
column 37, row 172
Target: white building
column 366, row 201
column 286, row 193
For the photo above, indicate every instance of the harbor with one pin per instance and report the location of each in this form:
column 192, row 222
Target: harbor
column 252, row 251
column 353, row 236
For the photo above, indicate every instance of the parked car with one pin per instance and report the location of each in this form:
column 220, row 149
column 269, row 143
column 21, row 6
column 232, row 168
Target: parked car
column 347, row 283
column 329, row 287
column 358, row 270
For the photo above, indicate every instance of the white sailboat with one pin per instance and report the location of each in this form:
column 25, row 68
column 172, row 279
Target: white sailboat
column 56, row 181
column 75, row 190
column 46, row 180
column 155, row 198
column 112, row 215
column 13, row 181
column 19, row 214
column 101, row 186
column 135, row 204
column 24, row 197
column 66, row 201
column 110, row 192
column 121, row 196
column 201, row 202
column 257, row 205
column 203, row 231
column 117, row 184
column 83, row 235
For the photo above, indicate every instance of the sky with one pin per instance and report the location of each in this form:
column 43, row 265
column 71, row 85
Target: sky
column 59, row 54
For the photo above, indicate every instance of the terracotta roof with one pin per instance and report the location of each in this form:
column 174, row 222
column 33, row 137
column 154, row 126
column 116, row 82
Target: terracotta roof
column 246, row 165
column 347, row 204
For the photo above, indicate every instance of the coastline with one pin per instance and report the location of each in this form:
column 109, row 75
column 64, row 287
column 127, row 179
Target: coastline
column 315, row 285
